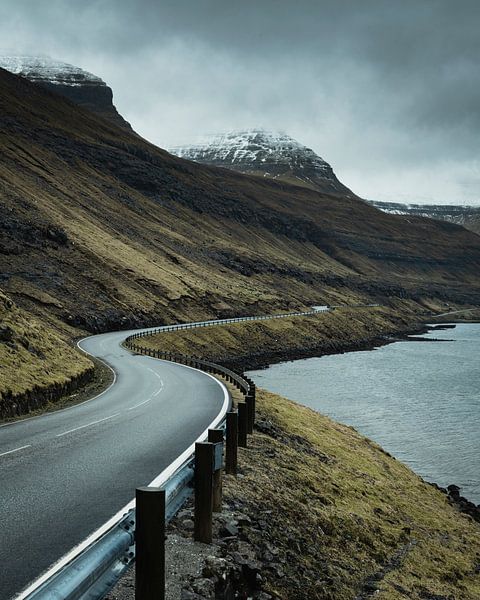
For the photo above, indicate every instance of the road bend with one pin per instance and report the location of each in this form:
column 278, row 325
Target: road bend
column 64, row 474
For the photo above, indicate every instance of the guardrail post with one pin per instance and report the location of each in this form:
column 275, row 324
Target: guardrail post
column 250, row 402
column 215, row 436
column 231, row 443
column 150, row 544
column 242, row 424
column 204, row 464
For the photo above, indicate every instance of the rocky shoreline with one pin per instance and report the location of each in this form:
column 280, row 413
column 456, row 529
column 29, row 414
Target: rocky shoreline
column 262, row 360
column 461, row 503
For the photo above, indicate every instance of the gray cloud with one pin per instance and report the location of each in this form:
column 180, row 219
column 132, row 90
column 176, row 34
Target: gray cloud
column 388, row 92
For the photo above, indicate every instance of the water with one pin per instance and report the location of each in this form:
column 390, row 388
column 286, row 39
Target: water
column 419, row 400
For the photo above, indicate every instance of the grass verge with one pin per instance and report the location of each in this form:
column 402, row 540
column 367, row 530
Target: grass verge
column 335, row 517
column 253, row 344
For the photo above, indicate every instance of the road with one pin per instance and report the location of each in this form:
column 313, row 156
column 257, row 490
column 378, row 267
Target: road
column 64, row 474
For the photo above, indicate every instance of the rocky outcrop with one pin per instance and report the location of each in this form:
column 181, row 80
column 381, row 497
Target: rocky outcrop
column 38, row 397
column 468, row 216
column 79, row 86
column 266, row 153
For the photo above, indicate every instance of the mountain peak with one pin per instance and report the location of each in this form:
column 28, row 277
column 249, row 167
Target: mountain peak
column 76, row 84
column 272, row 154
column 44, row 68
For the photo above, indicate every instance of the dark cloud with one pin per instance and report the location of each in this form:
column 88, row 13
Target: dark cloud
column 388, row 92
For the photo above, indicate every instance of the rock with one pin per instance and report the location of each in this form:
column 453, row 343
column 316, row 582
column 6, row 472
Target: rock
column 214, row 567
column 6, row 334
column 251, row 570
column 188, row 524
column 184, row 514
column 204, row 587
column 56, row 234
column 188, row 595
column 453, row 491
column 230, row 529
column 243, row 519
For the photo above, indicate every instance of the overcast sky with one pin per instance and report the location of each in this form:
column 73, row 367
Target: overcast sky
column 387, row 91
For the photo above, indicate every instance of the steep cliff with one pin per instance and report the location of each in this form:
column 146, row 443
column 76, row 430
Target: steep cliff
column 79, row 86
column 468, row 216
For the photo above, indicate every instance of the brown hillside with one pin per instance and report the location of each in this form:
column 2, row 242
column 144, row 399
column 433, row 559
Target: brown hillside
column 100, row 228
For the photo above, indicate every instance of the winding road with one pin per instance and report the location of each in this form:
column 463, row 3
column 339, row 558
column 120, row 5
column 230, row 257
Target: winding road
column 64, row 474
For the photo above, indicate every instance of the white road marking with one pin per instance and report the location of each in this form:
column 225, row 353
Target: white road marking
column 140, row 404
column 161, row 382
column 87, row 425
column 160, row 389
column 15, row 450
column 157, row 482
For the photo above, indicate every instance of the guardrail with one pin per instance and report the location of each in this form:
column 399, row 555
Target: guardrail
column 94, row 571
column 182, row 326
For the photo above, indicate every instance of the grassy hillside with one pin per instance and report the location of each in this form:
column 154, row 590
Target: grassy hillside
column 101, row 228
column 252, row 344
column 32, row 356
column 346, row 520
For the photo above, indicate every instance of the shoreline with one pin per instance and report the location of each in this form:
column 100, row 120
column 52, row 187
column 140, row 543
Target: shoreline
column 259, row 362
column 452, row 490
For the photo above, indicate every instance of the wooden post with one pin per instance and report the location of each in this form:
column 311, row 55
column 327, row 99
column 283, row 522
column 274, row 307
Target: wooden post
column 150, row 544
column 204, row 462
column 215, row 436
column 250, row 402
column 242, row 424
column 231, row 444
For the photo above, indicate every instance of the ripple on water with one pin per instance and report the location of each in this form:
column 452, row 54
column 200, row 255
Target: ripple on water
column 420, row 401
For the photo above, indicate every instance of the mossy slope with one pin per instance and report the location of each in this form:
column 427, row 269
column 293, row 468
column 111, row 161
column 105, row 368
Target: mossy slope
column 31, row 355
column 346, row 519
column 253, row 343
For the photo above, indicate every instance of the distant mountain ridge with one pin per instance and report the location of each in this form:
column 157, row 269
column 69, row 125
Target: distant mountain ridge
column 270, row 154
column 79, row 86
column 468, row 216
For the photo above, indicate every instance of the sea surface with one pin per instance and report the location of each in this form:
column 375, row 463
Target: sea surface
column 419, row 400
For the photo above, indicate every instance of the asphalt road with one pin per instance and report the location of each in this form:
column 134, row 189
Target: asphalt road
column 64, row 474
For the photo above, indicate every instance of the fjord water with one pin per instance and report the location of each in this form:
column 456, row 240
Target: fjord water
column 419, row 400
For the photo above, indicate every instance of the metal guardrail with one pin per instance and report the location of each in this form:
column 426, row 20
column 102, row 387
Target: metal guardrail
column 182, row 326
column 96, row 570
column 91, row 574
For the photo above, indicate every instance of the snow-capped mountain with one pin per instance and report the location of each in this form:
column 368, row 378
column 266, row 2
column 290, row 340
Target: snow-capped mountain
column 468, row 216
column 44, row 69
column 79, row 86
column 271, row 154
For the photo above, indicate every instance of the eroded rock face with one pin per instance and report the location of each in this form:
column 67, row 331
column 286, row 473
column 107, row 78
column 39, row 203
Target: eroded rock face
column 468, row 216
column 271, row 154
column 79, row 86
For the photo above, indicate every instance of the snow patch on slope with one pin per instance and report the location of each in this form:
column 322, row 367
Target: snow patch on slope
column 251, row 146
column 45, row 69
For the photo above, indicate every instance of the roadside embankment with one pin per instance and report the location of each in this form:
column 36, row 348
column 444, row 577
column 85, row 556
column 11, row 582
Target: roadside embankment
column 253, row 344
column 320, row 512
column 37, row 367
column 466, row 315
